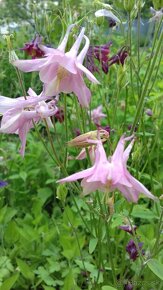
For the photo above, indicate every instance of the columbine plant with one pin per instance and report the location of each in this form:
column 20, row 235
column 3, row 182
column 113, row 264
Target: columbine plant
column 89, row 234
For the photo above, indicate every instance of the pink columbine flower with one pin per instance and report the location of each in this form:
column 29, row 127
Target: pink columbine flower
column 97, row 115
column 19, row 114
column 60, row 71
column 108, row 174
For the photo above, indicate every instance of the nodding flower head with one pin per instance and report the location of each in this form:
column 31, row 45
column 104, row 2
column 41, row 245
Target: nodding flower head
column 32, row 48
column 132, row 250
column 128, row 228
column 120, row 57
column 99, row 52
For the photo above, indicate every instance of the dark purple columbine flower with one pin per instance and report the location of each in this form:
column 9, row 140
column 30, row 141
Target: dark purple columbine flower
column 112, row 22
column 128, row 228
column 120, row 57
column 132, row 249
column 3, row 183
column 77, row 132
column 32, row 47
column 59, row 116
column 106, row 128
column 99, row 52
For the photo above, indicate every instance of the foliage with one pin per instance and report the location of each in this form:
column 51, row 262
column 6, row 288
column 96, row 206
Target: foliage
column 51, row 237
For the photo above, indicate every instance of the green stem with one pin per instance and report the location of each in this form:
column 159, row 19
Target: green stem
column 144, row 90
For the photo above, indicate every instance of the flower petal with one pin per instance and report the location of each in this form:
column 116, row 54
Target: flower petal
column 89, row 75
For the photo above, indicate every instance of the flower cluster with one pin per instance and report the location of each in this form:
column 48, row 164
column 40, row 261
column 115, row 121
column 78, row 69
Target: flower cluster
column 59, row 71
column 62, row 71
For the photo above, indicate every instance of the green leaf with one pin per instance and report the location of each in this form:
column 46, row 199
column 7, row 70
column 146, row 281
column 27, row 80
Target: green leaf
column 62, row 192
column 92, row 245
column 156, row 267
column 118, row 220
column 8, row 283
column 25, row 269
column 108, row 288
column 142, row 212
column 44, row 194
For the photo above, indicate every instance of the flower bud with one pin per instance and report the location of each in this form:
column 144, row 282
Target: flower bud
column 128, row 5
column 83, row 140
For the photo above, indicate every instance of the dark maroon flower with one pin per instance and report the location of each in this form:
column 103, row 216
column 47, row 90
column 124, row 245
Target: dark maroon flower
column 59, row 116
column 3, row 183
column 129, row 127
column 120, row 57
column 132, row 249
column 77, row 132
column 106, row 128
column 128, row 228
column 32, row 47
column 112, row 22
column 99, row 52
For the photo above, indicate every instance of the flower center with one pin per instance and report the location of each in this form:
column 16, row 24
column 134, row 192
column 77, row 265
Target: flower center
column 61, row 74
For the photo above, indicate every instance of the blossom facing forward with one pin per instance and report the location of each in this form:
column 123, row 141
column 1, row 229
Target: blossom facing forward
column 108, row 174
column 62, row 71
column 19, row 115
column 97, row 115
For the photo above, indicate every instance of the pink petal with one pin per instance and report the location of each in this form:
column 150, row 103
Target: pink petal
column 47, row 50
column 30, row 65
column 89, row 187
column 48, row 72
column 76, row 176
column 6, row 104
column 141, row 188
column 89, row 75
column 129, row 193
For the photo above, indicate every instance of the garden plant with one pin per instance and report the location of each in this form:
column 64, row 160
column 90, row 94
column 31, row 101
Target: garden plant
column 81, row 118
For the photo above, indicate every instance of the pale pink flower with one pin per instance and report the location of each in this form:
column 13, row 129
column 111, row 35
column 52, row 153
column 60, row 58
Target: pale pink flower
column 19, row 114
column 60, row 71
column 97, row 115
column 110, row 174
column 157, row 14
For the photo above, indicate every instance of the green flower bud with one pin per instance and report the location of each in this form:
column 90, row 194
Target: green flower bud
column 129, row 5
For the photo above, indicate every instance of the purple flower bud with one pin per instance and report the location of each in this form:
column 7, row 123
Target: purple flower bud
column 3, row 183
column 32, row 47
column 149, row 112
column 132, row 249
column 128, row 228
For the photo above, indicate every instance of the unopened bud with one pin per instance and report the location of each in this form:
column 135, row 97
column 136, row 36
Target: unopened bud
column 12, row 56
column 129, row 5
column 83, row 140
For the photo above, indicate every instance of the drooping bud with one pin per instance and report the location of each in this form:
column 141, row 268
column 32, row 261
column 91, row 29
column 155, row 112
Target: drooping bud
column 83, row 140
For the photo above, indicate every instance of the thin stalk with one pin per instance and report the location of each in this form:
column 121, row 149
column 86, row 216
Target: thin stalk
column 108, row 241
column 144, row 90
